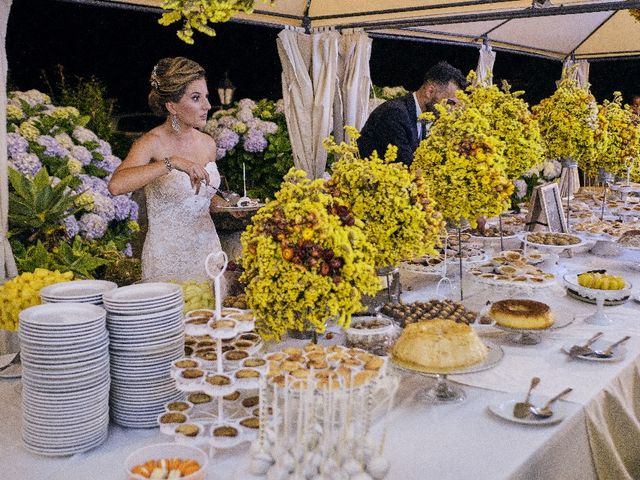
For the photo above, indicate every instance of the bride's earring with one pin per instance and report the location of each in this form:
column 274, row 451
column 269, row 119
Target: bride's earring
column 175, row 124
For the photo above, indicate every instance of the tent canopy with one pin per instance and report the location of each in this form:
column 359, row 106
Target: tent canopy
column 584, row 29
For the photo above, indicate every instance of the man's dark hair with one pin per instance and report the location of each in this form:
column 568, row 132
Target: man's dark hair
column 442, row 73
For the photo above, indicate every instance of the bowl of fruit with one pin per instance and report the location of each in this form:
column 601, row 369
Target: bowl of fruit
column 600, row 288
column 167, row 461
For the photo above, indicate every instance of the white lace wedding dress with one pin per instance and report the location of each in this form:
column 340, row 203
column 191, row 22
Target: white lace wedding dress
column 181, row 233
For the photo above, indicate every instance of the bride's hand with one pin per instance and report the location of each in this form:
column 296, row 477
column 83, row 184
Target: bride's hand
column 197, row 173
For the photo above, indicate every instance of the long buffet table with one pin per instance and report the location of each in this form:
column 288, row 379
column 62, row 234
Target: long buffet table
column 598, row 438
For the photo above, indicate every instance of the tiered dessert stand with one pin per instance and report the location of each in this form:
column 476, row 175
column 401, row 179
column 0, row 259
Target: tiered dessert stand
column 218, row 379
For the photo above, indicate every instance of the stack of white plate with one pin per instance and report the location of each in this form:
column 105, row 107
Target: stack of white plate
column 146, row 334
column 77, row 291
column 64, row 350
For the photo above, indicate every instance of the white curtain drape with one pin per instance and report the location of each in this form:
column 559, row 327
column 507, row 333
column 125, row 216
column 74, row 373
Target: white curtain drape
column 309, row 79
column 484, row 71
column 577, row 70
column 351, row 104
column 7, row 263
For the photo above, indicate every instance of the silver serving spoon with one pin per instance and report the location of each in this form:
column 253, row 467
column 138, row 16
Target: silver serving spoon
column 608, row 352
column 545, row 411
column 521, row 409
column 585, row 349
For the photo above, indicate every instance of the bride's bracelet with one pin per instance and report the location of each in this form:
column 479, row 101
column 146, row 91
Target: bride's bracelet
column 167, row 163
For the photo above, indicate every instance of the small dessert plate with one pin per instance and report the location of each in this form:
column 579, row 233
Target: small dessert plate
column 505, row 410
column 618, row 352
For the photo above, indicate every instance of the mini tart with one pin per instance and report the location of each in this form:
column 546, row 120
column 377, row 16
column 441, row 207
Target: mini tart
column 254, row 362
column 200, row 313
column 197, row 320
column 247, row 373
column 225, row 431
column 242, row 344
column 251, row 402
column 252, row 337
column 178, row 406
column 232, row 397
column 198, row 398
column 235, row 355
column 185, row 363
column 192, row 373
column 188, row 430
column 218, row 380
column 173, row 417
column 242, row 317
column 205, row 344
column 208, row 354
column 219, row 324
column 250, row 422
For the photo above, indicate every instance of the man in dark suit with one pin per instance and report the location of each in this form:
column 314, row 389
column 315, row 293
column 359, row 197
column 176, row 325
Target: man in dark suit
column 395, row 122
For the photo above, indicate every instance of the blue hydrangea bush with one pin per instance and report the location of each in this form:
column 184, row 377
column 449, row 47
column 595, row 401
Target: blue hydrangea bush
column 45, row 136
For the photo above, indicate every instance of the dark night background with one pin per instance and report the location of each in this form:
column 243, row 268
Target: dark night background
column 119, row 47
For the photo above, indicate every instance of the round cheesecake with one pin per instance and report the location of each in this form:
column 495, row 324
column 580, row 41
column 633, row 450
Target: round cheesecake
column 439, row 344
column 521, row 314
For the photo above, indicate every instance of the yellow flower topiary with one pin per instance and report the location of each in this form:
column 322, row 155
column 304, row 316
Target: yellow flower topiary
column 306, row 260
column 398, row 215
column 568, row 120
column 511, row 121
column 464, row 164
column 617, row 139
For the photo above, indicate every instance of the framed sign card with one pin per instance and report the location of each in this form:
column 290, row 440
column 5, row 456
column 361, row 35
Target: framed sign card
column 545, row 210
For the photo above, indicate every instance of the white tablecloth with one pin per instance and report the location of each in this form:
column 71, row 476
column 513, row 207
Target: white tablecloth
column 599, row 438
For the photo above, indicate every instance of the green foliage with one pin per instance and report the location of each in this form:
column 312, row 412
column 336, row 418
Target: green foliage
column 89, row 96
column 36, row 208
column 80, row 257
column 119, row 268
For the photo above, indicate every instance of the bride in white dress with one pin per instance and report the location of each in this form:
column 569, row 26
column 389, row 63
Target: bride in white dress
column 175, row 164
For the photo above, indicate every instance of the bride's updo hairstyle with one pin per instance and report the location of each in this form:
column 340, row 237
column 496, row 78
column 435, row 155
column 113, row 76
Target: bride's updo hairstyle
column 169, row 80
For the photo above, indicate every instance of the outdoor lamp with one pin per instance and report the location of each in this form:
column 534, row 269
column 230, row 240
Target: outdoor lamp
column 225, row 91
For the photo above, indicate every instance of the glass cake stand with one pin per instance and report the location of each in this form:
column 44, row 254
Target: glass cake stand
column 600, row 296
column 444, row 391
column 523, row 336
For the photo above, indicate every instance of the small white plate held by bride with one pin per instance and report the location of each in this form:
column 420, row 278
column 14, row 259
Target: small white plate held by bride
column 505, row 410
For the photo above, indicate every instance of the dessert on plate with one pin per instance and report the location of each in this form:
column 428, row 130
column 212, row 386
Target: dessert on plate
column 521, row 314
column 439, row 344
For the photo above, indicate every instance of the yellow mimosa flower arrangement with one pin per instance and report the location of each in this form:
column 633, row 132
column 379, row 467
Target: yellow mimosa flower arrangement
column 511, row 121
column 568, row 120
column 306, row 260
column 464, row 164
column 617, row 139
column 392, row 202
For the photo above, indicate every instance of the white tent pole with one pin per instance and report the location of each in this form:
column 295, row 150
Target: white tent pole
column 7, row 263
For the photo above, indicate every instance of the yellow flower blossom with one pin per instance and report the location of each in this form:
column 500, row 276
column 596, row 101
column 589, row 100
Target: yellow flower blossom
column 29, row 130
column 464, row 164
column 74, row 166
column 305, row 259
column 567, row 121
column 397, row 213
column 14, row 113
